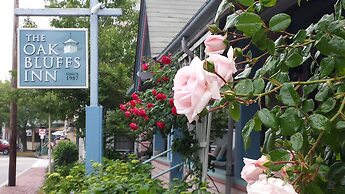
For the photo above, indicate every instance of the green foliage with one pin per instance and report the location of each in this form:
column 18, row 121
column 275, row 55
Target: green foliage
column 113, row 177
column 279, row 22
column 65, row 153
column 299, row 86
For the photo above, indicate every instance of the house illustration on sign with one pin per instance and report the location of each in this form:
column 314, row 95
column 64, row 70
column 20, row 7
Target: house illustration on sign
column 70, row 46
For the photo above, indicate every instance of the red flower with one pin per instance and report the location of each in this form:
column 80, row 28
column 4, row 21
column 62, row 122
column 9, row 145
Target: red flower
column 123, row 107
column 165, row 60
column 146, row 118
column 135, row 111
column 161, row 96
column 127, row 114
column 160, row 124
column 135, row 96
column 154, row 92
column 133, row 103
column 171, row 102
column 133, row 126
column 145, row 67
column 142, row 112
column 150, row 105
column 173, row 110
column 165, row 79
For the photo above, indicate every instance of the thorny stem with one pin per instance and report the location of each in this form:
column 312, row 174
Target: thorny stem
column 312, row 149
column 220, row 77
column 340, row 110
column 237, row 39
column 296, row 83
column 288, row 33
column 286, row 162
column 297, row 45
column 235, row 34
column 218, row 107
column 253, row 61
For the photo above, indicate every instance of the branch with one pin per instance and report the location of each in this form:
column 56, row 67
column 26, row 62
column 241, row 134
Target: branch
column 340, row 111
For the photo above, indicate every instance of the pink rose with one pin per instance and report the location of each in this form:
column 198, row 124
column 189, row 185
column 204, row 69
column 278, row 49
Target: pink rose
column 270, row 186
column 224, row 66
column 214, row 44
column 253, row 168
column 193, row 88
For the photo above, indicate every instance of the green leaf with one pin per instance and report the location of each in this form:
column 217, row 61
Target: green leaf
column 259, row 39
column 337, row 171
column 327, row 66
column 246, row 2
column 259, row 85
column 257, row 123
column 268, row 3
column 270, row 46
column 339, row 66
column 300, row 36
column 328, row 105
column 249, row 23
column 244, row 74
column 337, row 45
column 323, row 45
column 308, row 105
column 221, row 8
column 323, row 24
column 234, row 110
column 246, row 131
column 278, row 155
column 340, row 125
column 268, row 119
column 231, row 21
column 287, row 118
column 289, row 96
column 294, row 60
column 338, row 9
column 319, row 122
column 312, row 188
column 296, row 141
column 279, row 22
column 270, row 137
column 307, row 89
column 322, row 94
column 244, row 87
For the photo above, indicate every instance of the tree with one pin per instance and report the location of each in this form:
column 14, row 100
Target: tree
column 117, row 38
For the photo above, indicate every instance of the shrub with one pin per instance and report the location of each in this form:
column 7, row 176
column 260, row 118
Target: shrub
column 113, row 177
column 65, row 153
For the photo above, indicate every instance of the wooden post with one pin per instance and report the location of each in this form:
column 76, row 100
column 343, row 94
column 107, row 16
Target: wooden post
column 13, row 106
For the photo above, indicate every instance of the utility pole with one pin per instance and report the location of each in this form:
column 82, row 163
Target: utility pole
column 13, row 106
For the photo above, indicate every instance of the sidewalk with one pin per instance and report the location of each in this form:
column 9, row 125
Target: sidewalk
column 30, row 181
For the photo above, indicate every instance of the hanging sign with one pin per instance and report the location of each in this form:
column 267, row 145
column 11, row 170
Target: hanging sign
column 54, row 58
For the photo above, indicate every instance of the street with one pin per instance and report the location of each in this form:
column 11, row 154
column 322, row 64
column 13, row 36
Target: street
column 23, row 164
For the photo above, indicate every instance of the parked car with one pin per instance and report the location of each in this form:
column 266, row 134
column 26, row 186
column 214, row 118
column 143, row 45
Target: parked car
column 4, row 146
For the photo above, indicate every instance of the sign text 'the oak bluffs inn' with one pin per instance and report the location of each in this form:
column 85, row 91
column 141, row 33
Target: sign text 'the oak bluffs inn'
column 54, row 58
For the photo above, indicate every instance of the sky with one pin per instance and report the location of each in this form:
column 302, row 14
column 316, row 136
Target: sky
column 6, row 32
